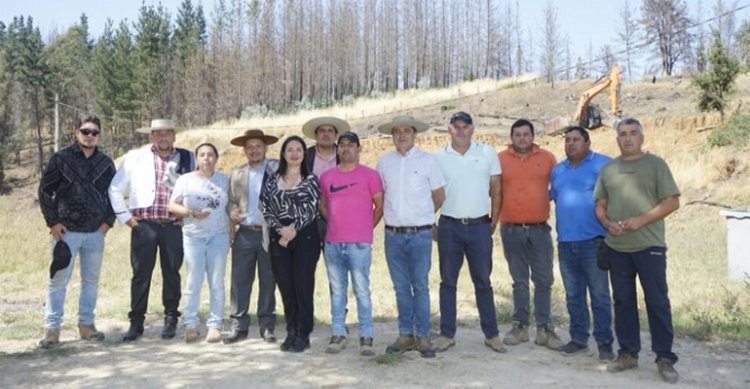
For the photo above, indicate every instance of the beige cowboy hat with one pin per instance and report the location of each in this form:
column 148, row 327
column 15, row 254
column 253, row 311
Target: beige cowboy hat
column 254, row 134
column 403, row 120
column 158, row 124
column 308, row 129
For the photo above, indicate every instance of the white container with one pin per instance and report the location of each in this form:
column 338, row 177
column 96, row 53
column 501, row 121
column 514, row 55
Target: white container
column 738, row 243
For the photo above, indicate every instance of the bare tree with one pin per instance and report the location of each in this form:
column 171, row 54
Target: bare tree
column 666, row 23
column 725, row 24
column 628, row 34
column 550, row 43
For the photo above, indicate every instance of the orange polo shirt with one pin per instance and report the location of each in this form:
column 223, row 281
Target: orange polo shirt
column 526, row 185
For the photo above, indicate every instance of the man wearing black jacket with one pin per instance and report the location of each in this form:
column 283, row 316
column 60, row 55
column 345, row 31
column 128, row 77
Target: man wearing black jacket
column 74, row 201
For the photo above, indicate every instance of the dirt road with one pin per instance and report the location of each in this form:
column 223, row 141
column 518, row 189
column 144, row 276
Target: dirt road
column 152, row 362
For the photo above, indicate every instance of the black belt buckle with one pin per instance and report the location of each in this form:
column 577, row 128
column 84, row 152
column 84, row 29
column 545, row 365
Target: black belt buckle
column 526, row 225
column 252, row 227
column 469, row 220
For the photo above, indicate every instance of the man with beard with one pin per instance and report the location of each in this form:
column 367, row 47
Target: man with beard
column 352, row 202
column 74, row 202
column 148, row 176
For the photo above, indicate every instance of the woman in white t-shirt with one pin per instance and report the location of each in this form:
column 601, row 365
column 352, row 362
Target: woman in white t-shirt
column 200, row 197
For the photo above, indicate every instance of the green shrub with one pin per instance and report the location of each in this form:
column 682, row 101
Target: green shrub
column 735, row 131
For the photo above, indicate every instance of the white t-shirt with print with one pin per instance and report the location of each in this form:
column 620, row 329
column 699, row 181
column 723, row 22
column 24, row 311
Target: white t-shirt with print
column 203, row 194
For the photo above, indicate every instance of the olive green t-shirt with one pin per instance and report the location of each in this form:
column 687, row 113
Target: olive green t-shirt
column 632, row 188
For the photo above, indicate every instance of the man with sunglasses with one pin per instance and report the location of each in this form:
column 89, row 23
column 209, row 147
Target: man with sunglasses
column 148, row 176
column 77, row 210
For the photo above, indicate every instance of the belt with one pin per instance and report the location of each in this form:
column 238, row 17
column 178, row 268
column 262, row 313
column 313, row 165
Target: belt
column 526, row 225
column 251, row 227
column 160, row 221
column 468, row 220
column 408, row 229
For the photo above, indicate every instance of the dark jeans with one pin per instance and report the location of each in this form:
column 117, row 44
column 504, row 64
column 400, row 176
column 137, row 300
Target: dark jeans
column 650, row 265
column 294, row 271
column 247, row 253
column 529, row 249
column 145, row 239
column 455, row 240
column 581, row 275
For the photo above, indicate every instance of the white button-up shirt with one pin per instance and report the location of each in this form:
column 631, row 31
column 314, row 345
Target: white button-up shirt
column 408, row 182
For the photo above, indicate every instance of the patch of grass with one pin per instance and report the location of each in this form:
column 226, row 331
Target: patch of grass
column 389, row 358
column 735, row 131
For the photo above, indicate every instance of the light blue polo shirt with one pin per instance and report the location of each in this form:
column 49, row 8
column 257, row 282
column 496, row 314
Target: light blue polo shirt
column 572, row 190
column 467, row 177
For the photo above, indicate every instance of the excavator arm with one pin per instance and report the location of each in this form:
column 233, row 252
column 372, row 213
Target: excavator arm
column 612, row 81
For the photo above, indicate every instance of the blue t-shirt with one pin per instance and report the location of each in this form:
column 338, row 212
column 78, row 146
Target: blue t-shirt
column 572, row 190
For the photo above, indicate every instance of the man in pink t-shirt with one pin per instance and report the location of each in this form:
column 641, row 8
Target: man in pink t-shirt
column 352, row 203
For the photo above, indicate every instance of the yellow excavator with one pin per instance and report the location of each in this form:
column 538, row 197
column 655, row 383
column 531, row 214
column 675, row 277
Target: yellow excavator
column 588, row 115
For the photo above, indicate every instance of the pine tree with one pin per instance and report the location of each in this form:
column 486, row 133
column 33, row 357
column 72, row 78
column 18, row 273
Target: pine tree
column 717, row 83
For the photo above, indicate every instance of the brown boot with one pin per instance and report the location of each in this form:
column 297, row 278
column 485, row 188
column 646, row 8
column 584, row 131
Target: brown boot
column 191, row 335
column 51, row 337
column 89, row 332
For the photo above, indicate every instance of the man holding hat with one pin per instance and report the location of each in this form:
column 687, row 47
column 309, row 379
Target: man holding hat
column 74, row 202
column 249, row 229
column 148, row 176
column 413, row 189
column 352, row 202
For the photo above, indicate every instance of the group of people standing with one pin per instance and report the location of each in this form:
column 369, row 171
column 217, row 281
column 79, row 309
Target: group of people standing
column 279, row 215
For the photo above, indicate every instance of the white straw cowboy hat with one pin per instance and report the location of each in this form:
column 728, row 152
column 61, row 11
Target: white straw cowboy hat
column 254, row 134
column 158, row 124
column 308, row 129
column 403, row 120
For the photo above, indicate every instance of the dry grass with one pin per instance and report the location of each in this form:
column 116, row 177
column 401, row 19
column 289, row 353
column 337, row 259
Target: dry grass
column 704, row 303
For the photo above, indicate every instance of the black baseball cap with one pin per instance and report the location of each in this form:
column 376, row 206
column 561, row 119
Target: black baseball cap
column 462, row 116
column 350, row 136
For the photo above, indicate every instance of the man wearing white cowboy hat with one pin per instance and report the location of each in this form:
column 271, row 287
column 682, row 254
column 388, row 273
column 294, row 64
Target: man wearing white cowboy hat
column 324, row 130
column 413, row 188
column 148, row 176
column 249, row 248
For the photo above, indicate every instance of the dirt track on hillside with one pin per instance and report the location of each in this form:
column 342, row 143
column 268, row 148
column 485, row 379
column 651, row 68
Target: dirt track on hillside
column 152, row 362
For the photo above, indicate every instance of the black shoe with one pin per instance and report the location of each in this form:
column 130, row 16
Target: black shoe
column 605, row 353
column 300, row 344
column 573, row 348
column 170, row 327
column 134, row 332
column 235, row 336
column 267, row 335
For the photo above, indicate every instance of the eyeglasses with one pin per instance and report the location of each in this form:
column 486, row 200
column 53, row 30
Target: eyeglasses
column 88, row 131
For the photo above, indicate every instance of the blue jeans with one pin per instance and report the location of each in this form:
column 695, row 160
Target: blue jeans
column 650, row 265
column 409, row 258
column 205, row 257
column 528, row 249
column 342, row 258
column 89, row 247
column 579, row 274
column 455, row 240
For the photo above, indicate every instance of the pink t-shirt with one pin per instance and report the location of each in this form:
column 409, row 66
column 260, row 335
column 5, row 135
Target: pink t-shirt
column 348, row 196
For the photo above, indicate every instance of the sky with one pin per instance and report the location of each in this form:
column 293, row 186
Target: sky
column 586, row 22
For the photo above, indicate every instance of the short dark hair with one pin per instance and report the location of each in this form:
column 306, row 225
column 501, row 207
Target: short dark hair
column 88, row 118
column 281, row 171
column 336, row 130
column 462, row 116
column 581, row 130
column 521, row 123
column 216, row 152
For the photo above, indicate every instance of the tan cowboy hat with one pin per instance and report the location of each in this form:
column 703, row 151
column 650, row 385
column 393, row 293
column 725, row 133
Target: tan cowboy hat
column 158, row 124
column 254, row 134
column 308, row 129
column 403, row 120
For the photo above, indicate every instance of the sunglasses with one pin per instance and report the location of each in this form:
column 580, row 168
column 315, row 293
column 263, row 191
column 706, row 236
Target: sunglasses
column 87, row 132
